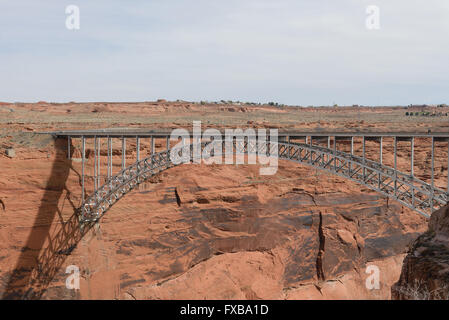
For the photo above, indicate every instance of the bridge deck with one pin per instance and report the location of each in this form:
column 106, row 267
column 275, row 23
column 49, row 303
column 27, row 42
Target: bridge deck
column 133, row 132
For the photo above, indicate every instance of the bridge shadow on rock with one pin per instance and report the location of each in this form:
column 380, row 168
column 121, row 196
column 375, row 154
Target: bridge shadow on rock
column 37, row 265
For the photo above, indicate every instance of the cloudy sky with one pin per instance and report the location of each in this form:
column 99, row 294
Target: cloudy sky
column 299, row 52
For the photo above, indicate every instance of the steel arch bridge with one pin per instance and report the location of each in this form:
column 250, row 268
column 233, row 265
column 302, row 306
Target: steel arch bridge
column 406, row 188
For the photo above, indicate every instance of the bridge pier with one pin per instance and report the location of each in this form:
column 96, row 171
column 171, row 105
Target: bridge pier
column 363, row 157
column 83, row 157
column 138, row 149
column 381, row 150
column 95, row 163
column 109, row 158
column 98, row 164
column 433, row 174
column 395, row 166
column 412, row 160
column 335, row 153
column 123, row 153
column 68, row 147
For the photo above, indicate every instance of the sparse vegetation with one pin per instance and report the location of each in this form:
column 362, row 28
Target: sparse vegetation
column 419, row 291
column 427, row 114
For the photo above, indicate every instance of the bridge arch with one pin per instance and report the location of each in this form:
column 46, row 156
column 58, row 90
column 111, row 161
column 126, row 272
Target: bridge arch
column 406, row 189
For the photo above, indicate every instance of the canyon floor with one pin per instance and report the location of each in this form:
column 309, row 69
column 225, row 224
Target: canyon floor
column 201, row 231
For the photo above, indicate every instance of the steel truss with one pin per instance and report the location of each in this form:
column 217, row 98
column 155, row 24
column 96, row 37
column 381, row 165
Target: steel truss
column 406, row 189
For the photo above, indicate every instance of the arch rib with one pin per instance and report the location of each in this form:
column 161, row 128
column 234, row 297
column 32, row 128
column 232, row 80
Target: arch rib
column 406, row 189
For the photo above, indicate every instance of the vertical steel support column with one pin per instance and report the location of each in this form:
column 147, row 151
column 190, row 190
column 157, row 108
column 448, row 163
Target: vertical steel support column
column 412, row 164
column 68, row 147
column 95, row 163
column 433, row 174
column 111, row 155
column 364, row 157
column 335, row 153
column 412, row 170
column 109, row 158
column 83, row 157
column 167, row 142
column 381, row 149
column 98, row 166
column 311, row 151
column 352, row 154
column 395, row 165
column 152, row 145
column 352, row 146
column 448, row 168
column 329, row 147
column 123, row 152
column 138, row 149
column 379, row 176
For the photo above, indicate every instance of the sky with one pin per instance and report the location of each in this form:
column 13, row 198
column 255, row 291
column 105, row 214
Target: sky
column 296, row 52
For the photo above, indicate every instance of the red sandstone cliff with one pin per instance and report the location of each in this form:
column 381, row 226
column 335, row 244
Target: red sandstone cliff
column 425, row 271
column 197, row 232
column 202, row 232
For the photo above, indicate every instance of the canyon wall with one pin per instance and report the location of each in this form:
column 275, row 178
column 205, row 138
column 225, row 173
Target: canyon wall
column 425, row 271
column 196, row 232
